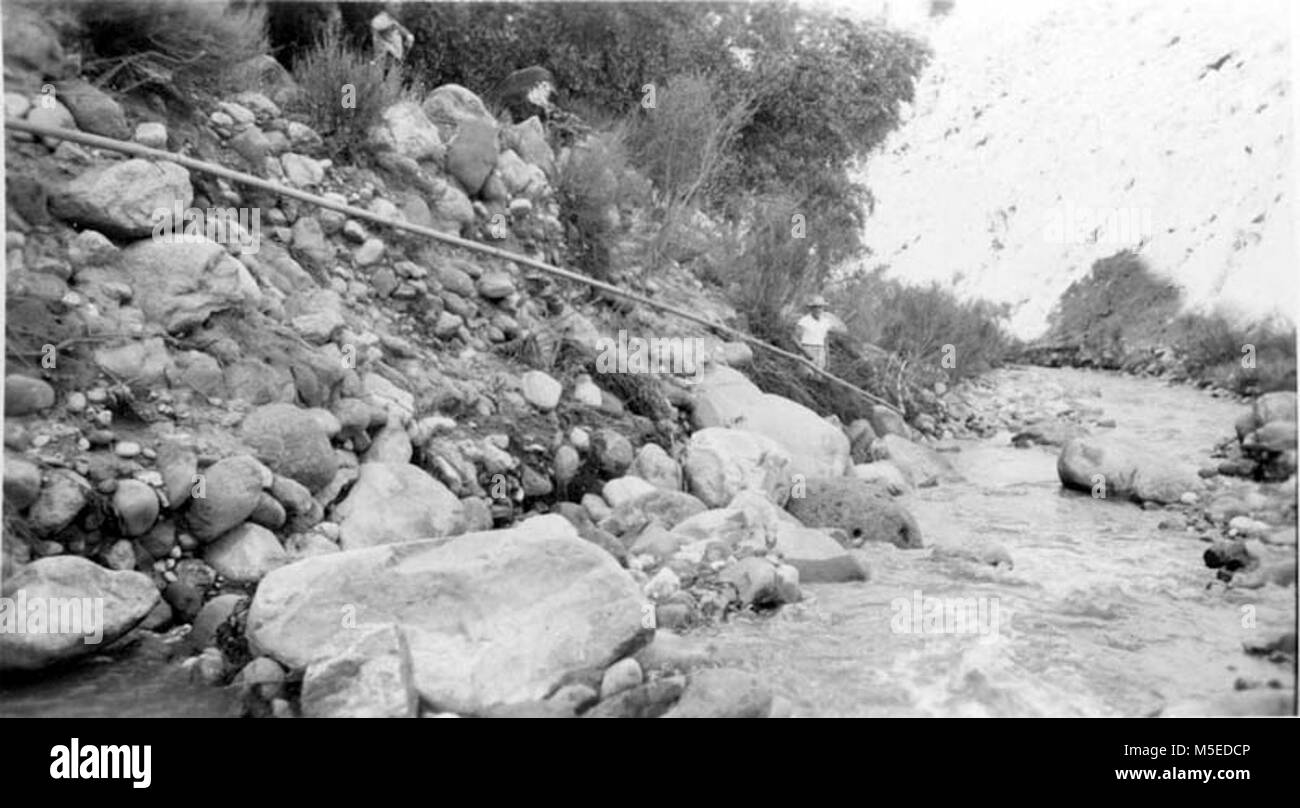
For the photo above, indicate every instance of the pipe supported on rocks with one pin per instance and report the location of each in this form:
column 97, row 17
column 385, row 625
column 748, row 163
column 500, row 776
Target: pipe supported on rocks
column 240, row 177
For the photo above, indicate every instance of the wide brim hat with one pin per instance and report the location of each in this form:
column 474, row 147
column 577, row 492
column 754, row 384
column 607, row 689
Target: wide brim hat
column 816, row 300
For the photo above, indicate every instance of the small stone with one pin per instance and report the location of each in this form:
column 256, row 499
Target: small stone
column 136, row 506
column 127, row 449
column 540, row 390
column 622, row 675
column 151, row 134
column 368, row 253
column 25, row 395
column 22, row 482
column 263, row 676
column 76, row 402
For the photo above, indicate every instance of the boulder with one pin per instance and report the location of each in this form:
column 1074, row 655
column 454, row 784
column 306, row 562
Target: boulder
column 51, row 113
column 396, row 502
column 665, row 508
column 22, row 482
column 291, row 442
column 371, row 678
column 472, row 153
column 884, row 474
column 654, row 465
column 31, row 42
column 1275, row 436
column 725, row 397
column 226, row 494
column 490, row 618
column 861, row 510
column 612, row 452
column 100, row 604
column 817, row 556
column 451, row 207
column 885, row 421
column 1271, row 407
column 253, row 145
column 528, row 140
column 93, row 109
column 751, row 522
column 860, row 434
column 719, row 463
column 723, row 693
column 245, row 554
column 25, row 395
column 922, row 466
column 518, row 177
column 621, row 490
column 301, row 170
column 123, row 198
column 1114, row 469
column 180, row 284
column 144, row 360
column 407, row 130
column 650, row 700
column 215, row 613
column 451, row 105
column 62, row 497
column 136, row 506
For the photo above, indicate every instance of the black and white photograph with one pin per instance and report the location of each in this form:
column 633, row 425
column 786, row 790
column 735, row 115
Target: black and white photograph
column 773, row 359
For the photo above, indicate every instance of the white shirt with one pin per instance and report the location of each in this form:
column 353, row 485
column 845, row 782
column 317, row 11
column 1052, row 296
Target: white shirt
column 813, row 331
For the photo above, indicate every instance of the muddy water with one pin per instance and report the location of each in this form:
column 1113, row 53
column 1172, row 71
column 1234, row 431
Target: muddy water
column 1103, row 614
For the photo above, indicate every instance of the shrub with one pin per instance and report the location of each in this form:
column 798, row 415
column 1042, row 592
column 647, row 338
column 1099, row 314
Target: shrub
column 1213, row 349
column 344, row 92
column 1119, row 305
column 1123, row 316
column 684, row 141
column 924, row 325
column 919, row 323
column 603, row 53
column 174, row 46
column 294, row 26
column 822, row 89
column 593, row 182
column 772, row 265
column 682, row 144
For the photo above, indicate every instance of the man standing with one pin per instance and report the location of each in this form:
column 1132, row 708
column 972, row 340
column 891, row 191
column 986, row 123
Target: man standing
column 390, row 39
column 812, row 328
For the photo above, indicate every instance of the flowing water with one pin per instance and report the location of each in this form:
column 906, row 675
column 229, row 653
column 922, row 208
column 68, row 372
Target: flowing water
column 1103, row 613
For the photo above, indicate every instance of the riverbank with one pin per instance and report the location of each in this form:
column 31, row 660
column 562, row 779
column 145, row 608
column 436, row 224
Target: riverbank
column 1101, row 608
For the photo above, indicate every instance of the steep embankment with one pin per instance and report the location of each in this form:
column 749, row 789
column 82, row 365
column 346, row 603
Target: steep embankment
column 213, row 419
column 1048, row 135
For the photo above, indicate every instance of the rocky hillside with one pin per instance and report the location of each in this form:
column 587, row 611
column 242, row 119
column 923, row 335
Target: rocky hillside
column 1049, row 135
column 232, row 434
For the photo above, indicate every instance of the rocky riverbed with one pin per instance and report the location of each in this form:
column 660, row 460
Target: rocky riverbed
column 1083, row 605
column 1106, row 608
